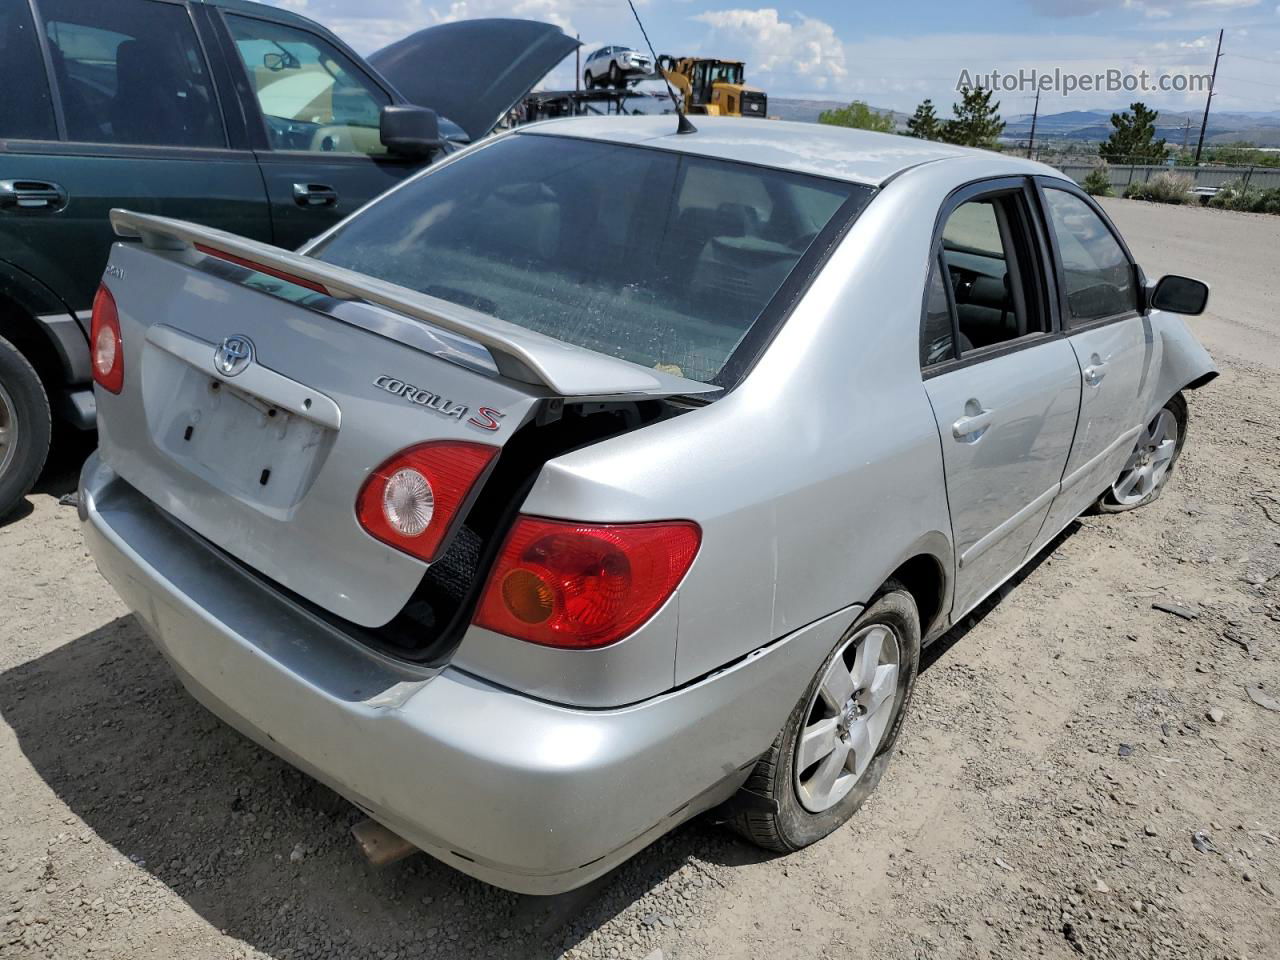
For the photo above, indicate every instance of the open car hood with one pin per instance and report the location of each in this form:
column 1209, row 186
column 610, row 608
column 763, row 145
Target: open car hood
column 473, row 71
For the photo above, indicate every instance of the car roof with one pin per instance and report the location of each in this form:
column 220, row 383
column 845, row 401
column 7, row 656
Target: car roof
column 840, row 153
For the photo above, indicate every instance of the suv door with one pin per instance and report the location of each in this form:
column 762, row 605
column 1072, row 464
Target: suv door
column 138, row 125
column 1004, row 384
column 314, row 118
column 1100, row 301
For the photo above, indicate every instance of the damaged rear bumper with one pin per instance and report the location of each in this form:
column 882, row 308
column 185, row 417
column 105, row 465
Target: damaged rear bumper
column 527, row 795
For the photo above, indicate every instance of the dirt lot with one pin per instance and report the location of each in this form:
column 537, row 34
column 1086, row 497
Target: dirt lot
column 1066, row 749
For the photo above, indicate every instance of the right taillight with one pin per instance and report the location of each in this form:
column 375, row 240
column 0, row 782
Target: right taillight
column 582, row 585
column 105, row 343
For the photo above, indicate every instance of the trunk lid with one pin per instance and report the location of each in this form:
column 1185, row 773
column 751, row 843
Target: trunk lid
column 263, row 448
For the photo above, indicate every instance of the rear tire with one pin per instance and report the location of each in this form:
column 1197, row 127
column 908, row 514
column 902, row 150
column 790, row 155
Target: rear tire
column 1155, row 453
column 805, row 811
column 25, row 426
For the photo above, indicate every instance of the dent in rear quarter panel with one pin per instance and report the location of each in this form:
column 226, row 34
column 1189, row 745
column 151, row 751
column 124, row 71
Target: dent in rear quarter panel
column 815, row 478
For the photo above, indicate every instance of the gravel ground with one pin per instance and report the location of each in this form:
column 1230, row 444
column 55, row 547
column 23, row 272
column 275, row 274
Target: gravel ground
column 1083, row 774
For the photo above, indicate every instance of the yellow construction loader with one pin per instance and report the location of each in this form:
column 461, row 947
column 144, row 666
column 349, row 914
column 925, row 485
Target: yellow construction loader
column 713, row 87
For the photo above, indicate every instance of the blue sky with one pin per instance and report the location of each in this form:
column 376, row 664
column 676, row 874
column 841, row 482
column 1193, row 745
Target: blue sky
column 894, row 55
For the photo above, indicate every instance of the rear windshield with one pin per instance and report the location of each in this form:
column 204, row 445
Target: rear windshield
column 660, row 258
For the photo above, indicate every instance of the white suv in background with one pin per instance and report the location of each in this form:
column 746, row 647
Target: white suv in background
column 614, row 66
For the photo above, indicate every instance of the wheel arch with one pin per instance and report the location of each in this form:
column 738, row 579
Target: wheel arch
column 24, row 302
column 925, row 570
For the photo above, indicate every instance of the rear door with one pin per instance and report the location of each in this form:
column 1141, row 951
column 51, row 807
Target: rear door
column 1112, row 340
column 1004, row 384
column 137, row 124
column 313, row 113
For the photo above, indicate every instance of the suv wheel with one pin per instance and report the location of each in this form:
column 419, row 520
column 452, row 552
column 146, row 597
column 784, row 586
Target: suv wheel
column 1147, row 470
column 615, row 75
column 588, row 80
column 24, row 426
column 838, row 740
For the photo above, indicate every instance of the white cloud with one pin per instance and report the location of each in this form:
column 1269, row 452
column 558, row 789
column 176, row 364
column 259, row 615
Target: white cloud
column 801, row 50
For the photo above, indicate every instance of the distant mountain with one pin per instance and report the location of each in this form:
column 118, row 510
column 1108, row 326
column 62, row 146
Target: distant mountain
column 1260, row 128
column 806, row 111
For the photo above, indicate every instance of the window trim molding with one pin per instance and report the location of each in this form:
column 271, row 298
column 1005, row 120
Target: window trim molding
column 1043, row 184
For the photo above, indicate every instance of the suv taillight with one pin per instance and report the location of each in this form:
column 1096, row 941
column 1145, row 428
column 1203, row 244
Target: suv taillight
column 581, row 585
column 410, row 501
column 105, row 342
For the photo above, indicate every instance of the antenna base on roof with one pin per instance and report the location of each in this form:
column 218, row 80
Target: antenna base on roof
column 683, row 125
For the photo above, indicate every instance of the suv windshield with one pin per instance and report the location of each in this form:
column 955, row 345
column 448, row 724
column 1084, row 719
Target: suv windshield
column 660, row 258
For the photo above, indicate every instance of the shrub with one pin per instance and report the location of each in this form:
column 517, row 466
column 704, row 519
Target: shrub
column 1098, row 182
column 1234, row 195
column 1162, row 188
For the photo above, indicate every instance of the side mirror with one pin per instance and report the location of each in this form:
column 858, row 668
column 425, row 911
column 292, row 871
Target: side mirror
column 1179, row 295
column 408, row 130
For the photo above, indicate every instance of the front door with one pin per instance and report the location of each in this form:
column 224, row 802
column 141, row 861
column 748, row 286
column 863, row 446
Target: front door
column 1113, row 344
column 322, row 158
column 1005, row 387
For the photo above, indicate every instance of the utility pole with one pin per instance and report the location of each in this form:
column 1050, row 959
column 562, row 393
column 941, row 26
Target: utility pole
column 1186, row 129
column 1209, row 99
column 1031, row 141
column 577, row 65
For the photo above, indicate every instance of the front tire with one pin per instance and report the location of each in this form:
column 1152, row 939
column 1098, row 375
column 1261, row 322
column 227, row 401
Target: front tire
column 615, row 76
column 588, row 80
column 838, row 740
column 25, row 426
column 1146, row 473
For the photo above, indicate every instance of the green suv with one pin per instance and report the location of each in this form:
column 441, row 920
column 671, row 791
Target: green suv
column 231, row 114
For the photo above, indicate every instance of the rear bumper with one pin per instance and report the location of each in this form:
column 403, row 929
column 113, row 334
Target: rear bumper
column 523, row 794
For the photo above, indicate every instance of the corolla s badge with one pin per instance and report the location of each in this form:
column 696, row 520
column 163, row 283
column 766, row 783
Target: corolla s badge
column 233, row 355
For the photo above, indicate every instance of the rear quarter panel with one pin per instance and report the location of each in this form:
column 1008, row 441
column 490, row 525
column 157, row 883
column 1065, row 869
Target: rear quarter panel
column 821, row 472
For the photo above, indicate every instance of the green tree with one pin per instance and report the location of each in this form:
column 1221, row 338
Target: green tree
column 977, row 120
column 1134, row 138
column 859, row 115
column 924, row 122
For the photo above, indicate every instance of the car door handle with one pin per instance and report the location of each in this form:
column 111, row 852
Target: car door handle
column 971, row 427
column 314, row 195
column 1094, row 373
column 32, row 195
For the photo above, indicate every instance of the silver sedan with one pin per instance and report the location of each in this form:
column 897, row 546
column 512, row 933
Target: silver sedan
column 536, row 515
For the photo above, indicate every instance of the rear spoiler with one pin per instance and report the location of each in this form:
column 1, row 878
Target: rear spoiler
column 519, row 354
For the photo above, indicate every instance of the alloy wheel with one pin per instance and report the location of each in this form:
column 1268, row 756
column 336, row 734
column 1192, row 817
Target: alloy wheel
column 847, row 717
column 1148, row 465
column 8, row 430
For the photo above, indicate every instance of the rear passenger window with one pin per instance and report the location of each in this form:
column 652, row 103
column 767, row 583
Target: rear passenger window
column 986, row 260
column 26, row 109
column 131, row 71
column 1097, row 274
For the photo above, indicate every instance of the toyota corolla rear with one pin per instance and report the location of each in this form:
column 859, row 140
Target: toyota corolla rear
column 316, row 474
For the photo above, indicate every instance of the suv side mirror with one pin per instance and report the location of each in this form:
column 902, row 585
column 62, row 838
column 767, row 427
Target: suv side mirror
column 1179, row 295
column 408, row 130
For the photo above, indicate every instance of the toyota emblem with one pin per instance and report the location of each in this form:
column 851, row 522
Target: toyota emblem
column 233, row 355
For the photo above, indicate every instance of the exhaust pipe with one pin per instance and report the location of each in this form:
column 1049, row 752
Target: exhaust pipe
column 379, row 845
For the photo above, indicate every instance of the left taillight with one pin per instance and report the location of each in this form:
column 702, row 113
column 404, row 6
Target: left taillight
column 411, row 500
column 105, row 342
